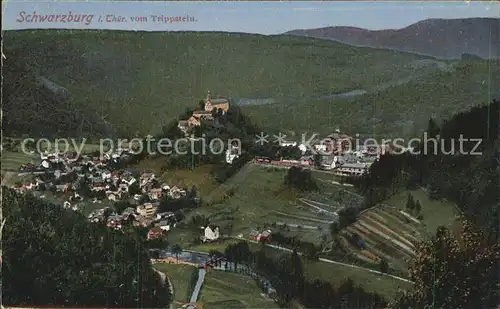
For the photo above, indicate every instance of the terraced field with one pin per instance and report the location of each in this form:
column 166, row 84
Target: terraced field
column 385, row 235
column 390, row 231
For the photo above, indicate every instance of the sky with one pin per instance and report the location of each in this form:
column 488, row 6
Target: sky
column 252, row 17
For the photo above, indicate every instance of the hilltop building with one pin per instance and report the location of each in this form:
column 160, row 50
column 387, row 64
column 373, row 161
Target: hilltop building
column 220, row 104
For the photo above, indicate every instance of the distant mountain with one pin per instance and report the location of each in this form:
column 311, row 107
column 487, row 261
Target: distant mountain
column 441, row 38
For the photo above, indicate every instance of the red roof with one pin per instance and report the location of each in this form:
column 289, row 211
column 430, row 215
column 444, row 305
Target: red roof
column 155, row 230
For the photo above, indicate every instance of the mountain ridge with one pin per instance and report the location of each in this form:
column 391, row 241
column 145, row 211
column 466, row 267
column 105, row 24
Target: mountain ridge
column 440, row 38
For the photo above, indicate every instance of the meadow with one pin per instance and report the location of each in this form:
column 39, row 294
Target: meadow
column 179, row 276
column 140, row 81
column 225, row 290
column 257, row 199
column 12, row 160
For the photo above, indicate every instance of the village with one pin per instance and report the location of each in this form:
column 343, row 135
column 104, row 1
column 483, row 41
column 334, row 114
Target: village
column 104, row 180
column 98, row 181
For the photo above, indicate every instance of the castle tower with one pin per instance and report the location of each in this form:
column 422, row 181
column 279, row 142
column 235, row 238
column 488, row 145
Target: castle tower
column 208, row 102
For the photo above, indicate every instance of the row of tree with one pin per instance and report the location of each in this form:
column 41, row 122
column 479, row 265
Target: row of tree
column 287, row 276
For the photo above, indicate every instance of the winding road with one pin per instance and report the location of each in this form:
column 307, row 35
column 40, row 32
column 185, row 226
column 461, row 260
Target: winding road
column 332, row 262
column 197, row 287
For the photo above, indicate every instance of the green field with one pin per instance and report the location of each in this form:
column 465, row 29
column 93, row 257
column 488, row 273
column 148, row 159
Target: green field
column 256, row 198
column 385, row 286
column 179, row 276
column 434, row 212
column 163, row 73
column 12, row 161
column 223, row 290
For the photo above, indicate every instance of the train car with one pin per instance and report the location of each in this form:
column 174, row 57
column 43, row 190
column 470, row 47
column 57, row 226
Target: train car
column 306, row 162
column 263, row 160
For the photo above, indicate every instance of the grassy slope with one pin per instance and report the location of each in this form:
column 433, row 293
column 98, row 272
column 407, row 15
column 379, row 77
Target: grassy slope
column 143, row 79
column 403, row 109
column 434, row 212
column 179, row 276
column 223, row 290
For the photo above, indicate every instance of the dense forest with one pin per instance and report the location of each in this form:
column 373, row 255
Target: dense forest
column 55, row 256
column 453, row 269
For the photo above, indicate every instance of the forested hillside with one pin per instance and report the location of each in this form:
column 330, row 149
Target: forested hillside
column 53, row 256
column 469, row 177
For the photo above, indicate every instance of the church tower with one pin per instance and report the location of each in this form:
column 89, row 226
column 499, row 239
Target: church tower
column 208, row 102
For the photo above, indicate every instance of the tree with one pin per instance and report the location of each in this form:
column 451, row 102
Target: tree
column 317, row 160
column 454, row 272
column 418, row 207
column 410, row 202
column 334, row 228
column 134, row 189
column 347, row 216
column 176, row 249
column 383, row 266
column 120, row 206
column 301, row 179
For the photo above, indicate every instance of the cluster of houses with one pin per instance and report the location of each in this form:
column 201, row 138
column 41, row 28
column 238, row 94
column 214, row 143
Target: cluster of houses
column 340, row 154
column 212, row 108
column 94, row 178
column 145, row 215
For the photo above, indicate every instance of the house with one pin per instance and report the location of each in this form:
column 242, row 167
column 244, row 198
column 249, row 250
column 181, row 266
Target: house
column 193, row 122
column 210, row 235
column 264, row 236
column 164, row 215
column 62, row 188
column 339, row 142
column 231, row 154
column 146, row 210
column 164, row 225
column 352, row 169
column 329, row 162
column 106, row 174
column 254, row 235
column 203, row 115
column 155, row 194
column 110, row 195
column 288, row 144
column 155, row 233
column 176, row 192
column 183, row 126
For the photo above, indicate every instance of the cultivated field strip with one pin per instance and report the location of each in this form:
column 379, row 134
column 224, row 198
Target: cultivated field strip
column 302, row 217
column 384, row 229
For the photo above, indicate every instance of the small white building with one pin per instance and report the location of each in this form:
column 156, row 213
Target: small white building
column 288, row 144
column 231, row 154
column 210, row 235
column 302, row 148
